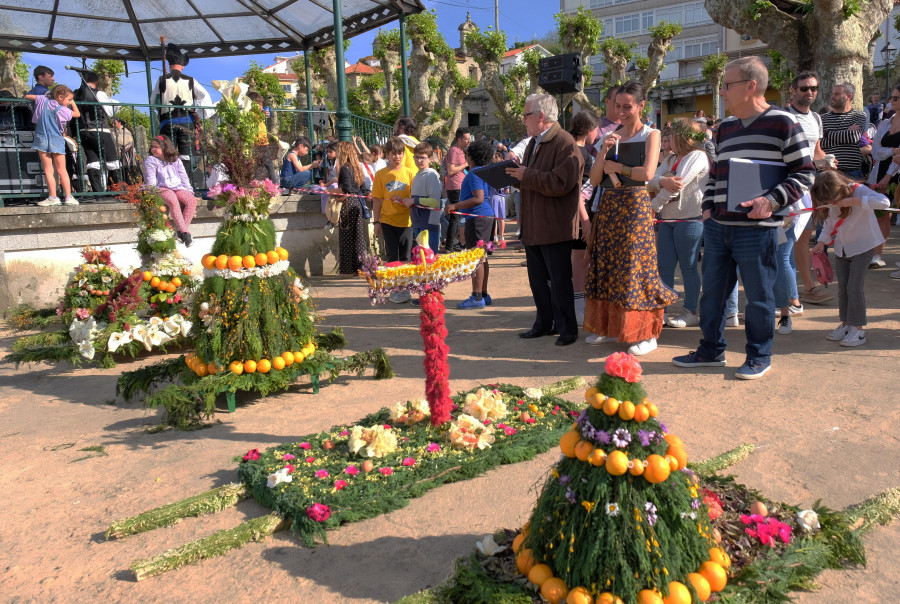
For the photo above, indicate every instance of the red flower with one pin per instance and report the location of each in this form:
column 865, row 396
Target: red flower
column 251, row 455
column 625, row 366
column 319, row 512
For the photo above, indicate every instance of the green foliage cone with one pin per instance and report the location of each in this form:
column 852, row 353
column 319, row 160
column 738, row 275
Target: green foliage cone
column 619, row 533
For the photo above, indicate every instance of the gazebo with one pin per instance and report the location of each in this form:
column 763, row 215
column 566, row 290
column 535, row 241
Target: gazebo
column 132, row 29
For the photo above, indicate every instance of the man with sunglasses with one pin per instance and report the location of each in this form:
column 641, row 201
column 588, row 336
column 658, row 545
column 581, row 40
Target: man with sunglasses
column 804, row 91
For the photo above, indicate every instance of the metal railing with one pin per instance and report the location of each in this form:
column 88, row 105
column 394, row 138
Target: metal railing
column 100, row 154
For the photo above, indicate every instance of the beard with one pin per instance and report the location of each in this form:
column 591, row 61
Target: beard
column 804, row 102
column 838, row 106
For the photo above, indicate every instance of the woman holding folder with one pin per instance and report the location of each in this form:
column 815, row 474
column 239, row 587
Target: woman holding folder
column 625, row 297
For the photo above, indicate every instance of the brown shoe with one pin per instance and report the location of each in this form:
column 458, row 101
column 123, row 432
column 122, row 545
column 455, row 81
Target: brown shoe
column 816, row 295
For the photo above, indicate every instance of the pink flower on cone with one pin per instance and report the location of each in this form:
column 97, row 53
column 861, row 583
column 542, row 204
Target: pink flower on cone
column 386, row 471
column 288, row 456
column 433, row 447
column 340, row 484
column 251, row 455
column 408, row 461
column 310, row 459
column 304, row 446
column 318, row 512
column 322, row 473
column 625, row 366
column 351, row 470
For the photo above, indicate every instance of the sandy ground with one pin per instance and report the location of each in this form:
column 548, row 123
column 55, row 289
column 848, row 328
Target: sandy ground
column 824, row 422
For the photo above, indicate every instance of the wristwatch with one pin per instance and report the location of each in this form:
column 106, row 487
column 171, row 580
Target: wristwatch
column 773, row 204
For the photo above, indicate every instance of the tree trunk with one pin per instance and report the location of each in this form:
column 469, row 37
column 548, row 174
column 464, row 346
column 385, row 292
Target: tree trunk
column 105, row 82
column 9, row 80
column 715, row 81
column 656, row 52
column 835, row 47
column 389, row 64
column 421, row 97
column 615, row 67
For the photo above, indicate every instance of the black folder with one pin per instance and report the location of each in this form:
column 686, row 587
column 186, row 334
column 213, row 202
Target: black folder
column 749, row 179
column 630, row 154
column 495, row 174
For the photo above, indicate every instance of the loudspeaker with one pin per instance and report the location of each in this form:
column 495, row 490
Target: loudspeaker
column 560, row 74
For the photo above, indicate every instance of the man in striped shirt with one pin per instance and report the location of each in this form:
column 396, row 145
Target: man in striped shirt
column 733, row 240
column 843, row 128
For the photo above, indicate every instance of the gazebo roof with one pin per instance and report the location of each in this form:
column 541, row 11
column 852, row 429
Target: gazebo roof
column 131, row 29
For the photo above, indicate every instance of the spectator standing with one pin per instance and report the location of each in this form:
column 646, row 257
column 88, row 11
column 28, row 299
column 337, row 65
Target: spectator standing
column 679, row 182
column 51, row 114
column 886, row 151
column 391, row 216
column 875, row 109
column 584, row 130
column 454, row 167
column 804, row 92
column 550, row 188
column 45, row 81
column 733, row 240
column 351, row 233
column 407, row 129
column 625, row 298
column 843, row 128
column 424, row 202
column 95, row 132
column 163, row 170
column 294, row 175
column 609, row 122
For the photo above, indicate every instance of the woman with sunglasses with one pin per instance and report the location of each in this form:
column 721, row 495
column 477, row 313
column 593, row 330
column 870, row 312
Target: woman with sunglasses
column 886, row 151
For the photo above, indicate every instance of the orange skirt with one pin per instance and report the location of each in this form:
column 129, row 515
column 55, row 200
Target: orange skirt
column 604, row 318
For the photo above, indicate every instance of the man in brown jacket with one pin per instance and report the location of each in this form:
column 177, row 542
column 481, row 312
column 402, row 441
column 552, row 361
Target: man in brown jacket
column 550, row 189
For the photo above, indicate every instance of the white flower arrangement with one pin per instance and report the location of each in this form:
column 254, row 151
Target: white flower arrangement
column 485, row 404
column 263, row 272
column 808, row 520
column 376, row 441
column 159, row 235
column 247, row 217
column 410, row 412
column 156, row 332
column 468, row 433
column 276, row 478
column 534, row 393
column 83, row 333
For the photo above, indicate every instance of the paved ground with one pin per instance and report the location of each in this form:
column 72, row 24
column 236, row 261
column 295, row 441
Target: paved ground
column 824, row 422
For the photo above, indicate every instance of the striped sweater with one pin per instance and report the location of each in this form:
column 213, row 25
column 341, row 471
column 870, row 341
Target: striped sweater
column 842, row 142
column 773, row 135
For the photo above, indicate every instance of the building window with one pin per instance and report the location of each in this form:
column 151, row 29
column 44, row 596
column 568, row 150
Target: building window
column 695, row 13
column 700, row 48
column 608, row 25
column 474, row 120
column 287, row 88
column 675, row 54
column 628, row 24
column 646, row 20
column 670, row 15
column 473, row 72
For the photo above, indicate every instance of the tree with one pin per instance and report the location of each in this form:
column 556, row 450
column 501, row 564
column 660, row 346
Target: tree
column 133, row 117
column 13, row 73
column 830, row 37
column 580, row 33
column 487, row 50
column 661, row 36
column 386, row 48
column 616, row 54
column 714, row 72
column 110, row 72
column 780, row 76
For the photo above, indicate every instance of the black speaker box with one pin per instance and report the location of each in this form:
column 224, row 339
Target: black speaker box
column 560, row 74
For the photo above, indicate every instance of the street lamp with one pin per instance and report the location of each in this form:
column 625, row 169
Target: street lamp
column 887, row 52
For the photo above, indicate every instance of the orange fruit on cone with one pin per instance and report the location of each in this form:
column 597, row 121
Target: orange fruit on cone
column 248, row 261
column 288, row 358
column 679, row 454
column 162, row 285
column 170, row 287
column 299, row 356
column 212, row 368
column 278, row 363
column 584, row 449
column 272, row 257
column 657, row 469
column 235, row 263
column 568, row 441
column 249, row 366
column 636, row 467
column 147, row 275
column 208, row 261
column 579, row 595
column 718, row 555
column 176, row 282
column 678, row 594
column 154, row 282
column 517, row 542
column 261, row 259
column 673, row 463
column 641, row 413
column 648, row 596
column 236, row 367
column 617, row 463
column 264, row 366
column 611, row 406
column 539, row 573
column 597, row 400
column 653, row 409
column 626, row 410
column 554, row 590
column 525, row 561
column 201, row 370
column 282, row 253
column 714, row 574
column 589, row 393
column 701, row 586
column 674, row 441
column 221, row 262
column 598, row 457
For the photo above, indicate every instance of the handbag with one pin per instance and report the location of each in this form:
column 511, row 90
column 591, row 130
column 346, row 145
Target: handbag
column 821, row 266
column 333, row 206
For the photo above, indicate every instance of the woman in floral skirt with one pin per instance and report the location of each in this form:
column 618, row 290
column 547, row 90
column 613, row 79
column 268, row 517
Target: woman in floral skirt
column 625, row 296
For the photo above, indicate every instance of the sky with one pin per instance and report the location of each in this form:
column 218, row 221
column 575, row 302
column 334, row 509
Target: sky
column 521, row 20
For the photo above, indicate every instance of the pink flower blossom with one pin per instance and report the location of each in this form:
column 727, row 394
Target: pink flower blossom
column 304, row 446
column 408, row 461
column 501, row 426
column 322, row 473
column 386, row 471
column 530, row 420
column 509, row 431
column 487, row 422
column 310, row 459
column 625, row 366
column 251, row 455
column 433, row 447
column 340, row 484
column 386, row 426
column 289, row 468
column 318, row 512
column 344, row 433
column 287, row 456
column 351, row 470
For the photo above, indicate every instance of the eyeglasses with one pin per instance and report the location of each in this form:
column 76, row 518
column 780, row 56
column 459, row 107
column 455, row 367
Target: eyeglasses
column 727, row 85
column 808, row 88
column 894, row 98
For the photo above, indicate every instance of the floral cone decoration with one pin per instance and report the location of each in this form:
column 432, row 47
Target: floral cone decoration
column 620, row 514
column 437, row 370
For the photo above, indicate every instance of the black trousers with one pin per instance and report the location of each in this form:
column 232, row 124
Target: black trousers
column 398, row 242
column 182, row 136
column 99, row 147
column 550, row 278
column 452, row 242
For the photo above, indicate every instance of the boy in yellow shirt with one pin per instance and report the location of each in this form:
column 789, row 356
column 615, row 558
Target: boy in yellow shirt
column 392, row 185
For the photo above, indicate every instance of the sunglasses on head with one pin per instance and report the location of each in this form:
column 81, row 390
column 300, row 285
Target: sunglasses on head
column 808, row 88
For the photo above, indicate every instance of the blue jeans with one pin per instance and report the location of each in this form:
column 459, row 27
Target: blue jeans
column 297, row 181
column 679, row 243
column 753, row 250
column 786, row 278
column 434, row 236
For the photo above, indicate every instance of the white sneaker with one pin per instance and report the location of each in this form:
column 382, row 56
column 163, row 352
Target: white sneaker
column 795, row 309
column 732, row 321
column 400, row 297
column 838, row 334
column 70, row 201
column 784, row 326
column 685, row 318
column 50, row 201
column 855, row 337
column 877, row 262
column 642, row 348
column 595, row 339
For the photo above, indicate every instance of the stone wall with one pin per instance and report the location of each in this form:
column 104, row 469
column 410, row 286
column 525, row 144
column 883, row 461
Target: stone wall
column 40, row 246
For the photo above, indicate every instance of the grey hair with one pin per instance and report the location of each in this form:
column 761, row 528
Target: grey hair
column 849, row 89
column 544, row 103
column 752, row 68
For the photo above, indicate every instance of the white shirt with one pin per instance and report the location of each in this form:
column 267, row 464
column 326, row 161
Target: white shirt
column 693, row 170
column 881, row 153
column 519, row 149
column 859, row 232
column 201, row 98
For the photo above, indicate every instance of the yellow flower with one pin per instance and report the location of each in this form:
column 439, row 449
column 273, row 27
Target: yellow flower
column 589, row 506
